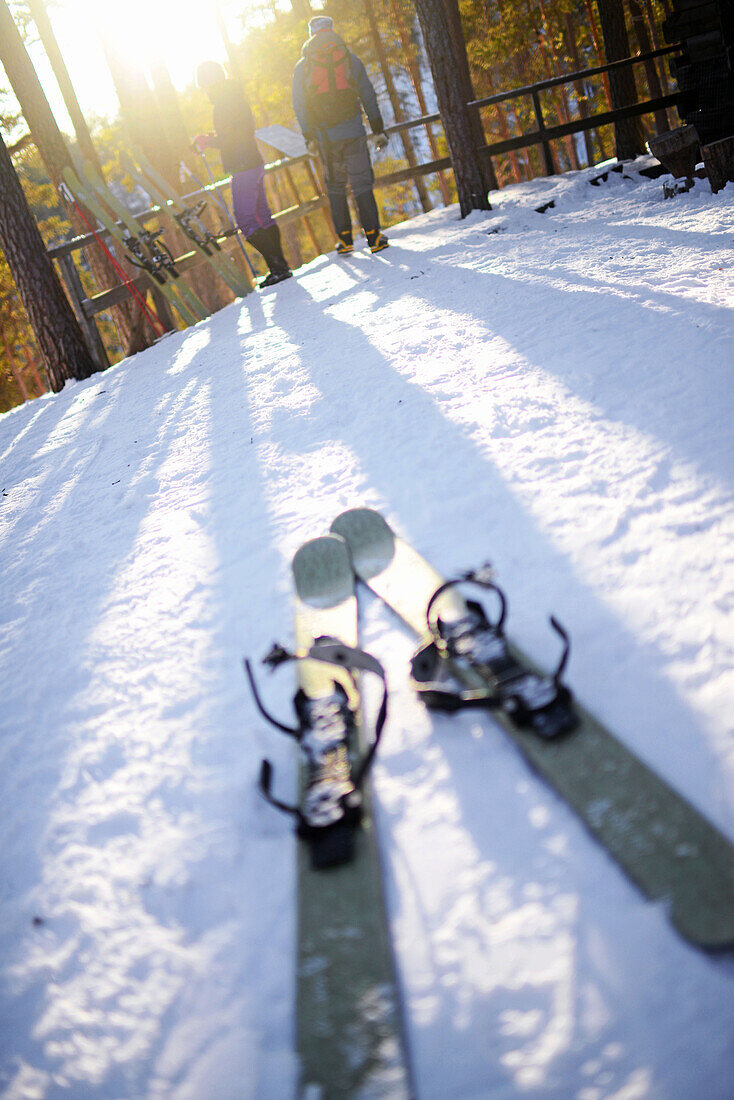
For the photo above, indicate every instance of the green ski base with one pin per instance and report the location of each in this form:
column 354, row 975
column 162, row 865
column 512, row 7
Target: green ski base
column 665, row 846
column 87, row 196
column 350, row 1038
column 174, row 282
column 171, row 204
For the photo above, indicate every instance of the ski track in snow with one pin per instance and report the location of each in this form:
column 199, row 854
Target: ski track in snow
column 552, row 392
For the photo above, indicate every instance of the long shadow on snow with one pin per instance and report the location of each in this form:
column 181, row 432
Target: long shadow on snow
column 539, row 952
column 114, row 497
column 244, row 890
column 592, row 348
column 418, row 449
column 47, row 582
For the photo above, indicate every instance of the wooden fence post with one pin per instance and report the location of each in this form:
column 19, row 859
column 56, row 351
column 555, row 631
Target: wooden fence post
column 550, row 168
column 88, row 325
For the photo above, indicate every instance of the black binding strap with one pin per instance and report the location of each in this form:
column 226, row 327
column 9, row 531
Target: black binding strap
column 529, row 699
column 331, row 802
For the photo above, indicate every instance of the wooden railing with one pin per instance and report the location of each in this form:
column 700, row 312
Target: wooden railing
column 543, row 135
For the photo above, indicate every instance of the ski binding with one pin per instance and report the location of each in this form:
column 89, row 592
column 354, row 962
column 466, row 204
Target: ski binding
column 528, row 698
column 330, row 808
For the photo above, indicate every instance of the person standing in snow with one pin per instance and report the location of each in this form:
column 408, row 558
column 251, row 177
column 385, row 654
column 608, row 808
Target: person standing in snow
column 234, row 136
column 330, row 88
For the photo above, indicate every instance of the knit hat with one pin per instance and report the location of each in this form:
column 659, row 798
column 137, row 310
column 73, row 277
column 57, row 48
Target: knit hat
column 208, row 73
column 320, row 23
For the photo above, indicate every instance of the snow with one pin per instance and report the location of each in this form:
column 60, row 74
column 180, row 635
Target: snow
column 552, row 392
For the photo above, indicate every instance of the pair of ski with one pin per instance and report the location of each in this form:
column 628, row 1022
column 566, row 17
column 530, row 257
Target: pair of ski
column 144, row 248
column 189, row 218
column 350, row 1036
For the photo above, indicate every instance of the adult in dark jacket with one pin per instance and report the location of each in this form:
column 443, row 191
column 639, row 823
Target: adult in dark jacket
column 330, row 89
column 234, row 136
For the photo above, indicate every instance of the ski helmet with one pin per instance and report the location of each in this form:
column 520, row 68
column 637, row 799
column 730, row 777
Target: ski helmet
column 320, row 23
column 208, row 73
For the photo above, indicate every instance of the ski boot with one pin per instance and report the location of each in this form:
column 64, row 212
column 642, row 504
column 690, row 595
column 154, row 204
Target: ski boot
column 345, row 244
column 376, row 240
column 276, row 276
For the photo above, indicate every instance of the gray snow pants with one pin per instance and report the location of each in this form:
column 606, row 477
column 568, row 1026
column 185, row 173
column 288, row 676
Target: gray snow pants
column 348, row 160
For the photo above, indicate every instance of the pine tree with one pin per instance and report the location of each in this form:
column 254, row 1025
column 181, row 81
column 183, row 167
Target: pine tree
column 50, row 143
column 57, row 331
column 451, row 80
column 628, row 132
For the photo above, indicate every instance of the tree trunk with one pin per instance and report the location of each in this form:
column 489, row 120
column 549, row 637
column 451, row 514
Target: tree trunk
column 463, row 75
column 598, row 50
column 415, row 79
column 419, row 183
column 516, row 171
column 17, row 376
column 154, row 124
column 657, row 43
column 38, row 10
column 558, row 95
column 451, row 79
column 29, row 93
column 33, row 368
column 57, row 331
column 138, row 106
column 642, row 35
column 308, row 223
column 53, row 151
column 302, row 9
column 234, row 64
column 207, row 285
column 628, row 132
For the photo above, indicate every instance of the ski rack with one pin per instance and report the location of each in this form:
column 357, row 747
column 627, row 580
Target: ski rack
column 330, row 808
column 528, row 698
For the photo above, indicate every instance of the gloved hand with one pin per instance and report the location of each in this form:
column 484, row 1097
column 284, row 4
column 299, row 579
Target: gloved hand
column 313, row 147
column 202, row 142
column 381, row 141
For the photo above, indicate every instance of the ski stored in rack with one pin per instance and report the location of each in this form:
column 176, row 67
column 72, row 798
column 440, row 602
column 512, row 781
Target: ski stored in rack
column 156, row 253
column 663, row 843
column 137, row 254
column 350, row 1035
column 189, row 220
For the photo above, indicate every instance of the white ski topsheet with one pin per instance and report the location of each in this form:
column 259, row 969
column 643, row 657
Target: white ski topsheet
column 553, row 392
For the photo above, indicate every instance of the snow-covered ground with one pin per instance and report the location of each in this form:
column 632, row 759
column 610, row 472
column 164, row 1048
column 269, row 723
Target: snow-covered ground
column 549, row 391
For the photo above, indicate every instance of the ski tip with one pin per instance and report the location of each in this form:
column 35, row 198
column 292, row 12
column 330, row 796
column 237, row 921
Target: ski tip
column 368, row 518
column 370, row 539
column 707, row 923
column 322, row 571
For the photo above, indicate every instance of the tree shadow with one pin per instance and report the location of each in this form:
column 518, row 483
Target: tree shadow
column 586, row 334
column 119, row 726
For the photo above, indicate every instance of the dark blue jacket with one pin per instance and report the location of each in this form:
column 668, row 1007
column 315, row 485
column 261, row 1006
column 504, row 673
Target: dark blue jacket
column 362, row 84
